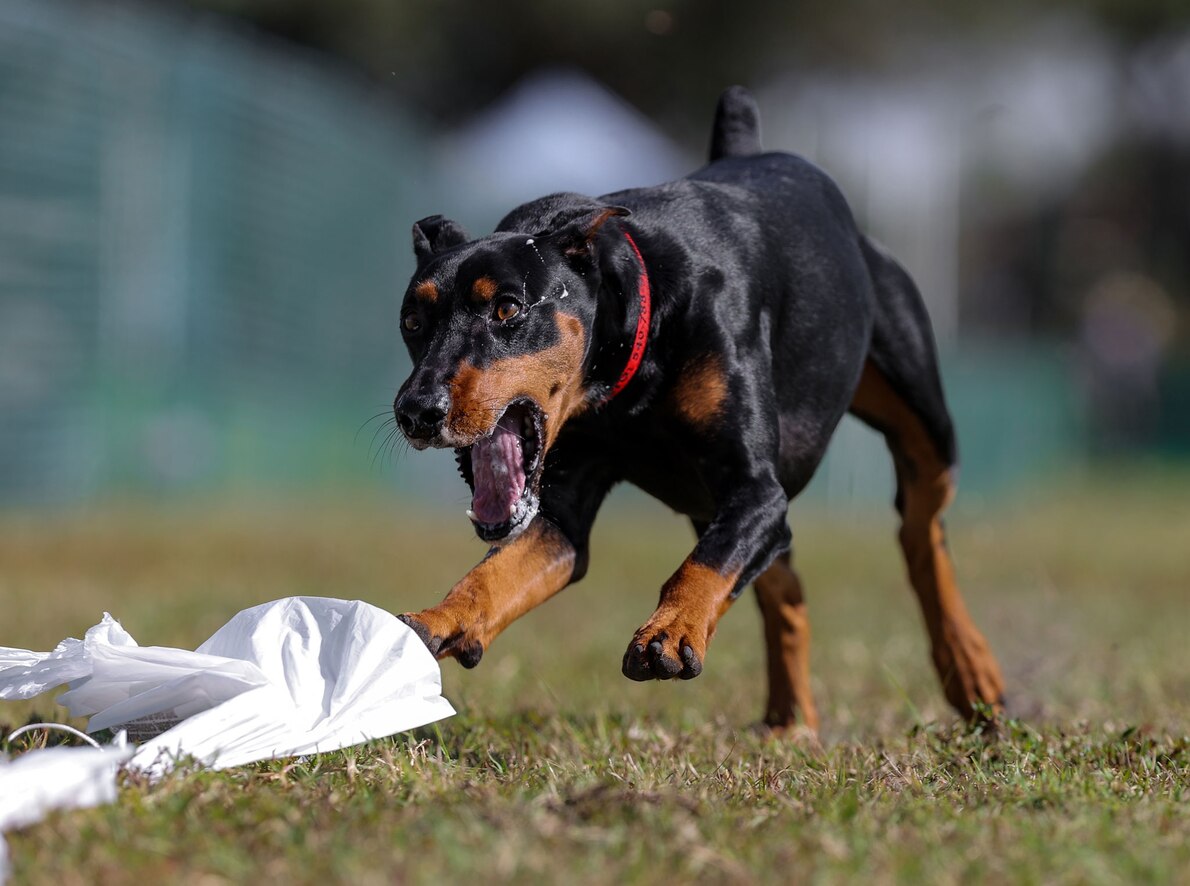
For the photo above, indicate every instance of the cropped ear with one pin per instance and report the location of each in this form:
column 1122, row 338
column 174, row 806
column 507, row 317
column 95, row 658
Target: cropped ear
column 436, row 234
column 575, row 229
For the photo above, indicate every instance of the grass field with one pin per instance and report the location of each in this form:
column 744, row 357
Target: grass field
column 557, row 768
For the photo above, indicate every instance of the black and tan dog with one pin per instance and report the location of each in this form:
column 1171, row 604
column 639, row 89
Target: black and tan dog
column 701, row 340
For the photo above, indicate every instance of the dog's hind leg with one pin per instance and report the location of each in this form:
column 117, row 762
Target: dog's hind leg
column 787, row 647
column 925, row 486
column 900, row 394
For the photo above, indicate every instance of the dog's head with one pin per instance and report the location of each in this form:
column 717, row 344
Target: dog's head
column 500, row 332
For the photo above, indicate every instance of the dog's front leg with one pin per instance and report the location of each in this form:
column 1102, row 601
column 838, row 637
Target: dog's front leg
column 507, row 583
column 743, row 539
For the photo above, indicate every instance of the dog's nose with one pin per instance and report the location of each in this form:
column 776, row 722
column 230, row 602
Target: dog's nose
column 420, row 416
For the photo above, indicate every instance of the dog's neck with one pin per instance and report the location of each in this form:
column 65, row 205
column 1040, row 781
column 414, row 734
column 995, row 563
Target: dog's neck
column 624, row 319
column 640, row 335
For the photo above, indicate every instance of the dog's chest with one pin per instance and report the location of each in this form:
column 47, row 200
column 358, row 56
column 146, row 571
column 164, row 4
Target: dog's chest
column 668, row 467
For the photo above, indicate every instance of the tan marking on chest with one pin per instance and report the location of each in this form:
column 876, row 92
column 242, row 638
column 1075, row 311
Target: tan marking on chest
column 700, row 394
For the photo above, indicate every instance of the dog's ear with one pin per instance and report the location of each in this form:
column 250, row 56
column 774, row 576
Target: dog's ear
column 435, row 234
column 575, row 229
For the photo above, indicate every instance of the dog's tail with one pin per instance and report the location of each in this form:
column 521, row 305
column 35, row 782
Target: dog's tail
column 736, row 132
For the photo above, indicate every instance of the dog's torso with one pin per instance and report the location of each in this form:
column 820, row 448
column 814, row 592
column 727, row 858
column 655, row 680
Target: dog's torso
column 762, row 300
column 700, row 339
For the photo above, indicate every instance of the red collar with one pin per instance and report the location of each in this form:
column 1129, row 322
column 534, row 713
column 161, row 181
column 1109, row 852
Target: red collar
column 641, row 338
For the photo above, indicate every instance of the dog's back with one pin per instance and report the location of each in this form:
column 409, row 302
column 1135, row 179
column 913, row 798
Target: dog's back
column 901, row 345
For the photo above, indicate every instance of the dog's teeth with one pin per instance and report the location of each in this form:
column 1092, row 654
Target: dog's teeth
column 471, row 515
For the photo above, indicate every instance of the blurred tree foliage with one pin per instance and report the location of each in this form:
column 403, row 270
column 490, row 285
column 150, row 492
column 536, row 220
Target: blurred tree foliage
column 670, row 58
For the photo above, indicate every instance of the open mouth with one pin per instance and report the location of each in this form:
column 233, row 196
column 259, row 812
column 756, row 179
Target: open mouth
column 503, row 470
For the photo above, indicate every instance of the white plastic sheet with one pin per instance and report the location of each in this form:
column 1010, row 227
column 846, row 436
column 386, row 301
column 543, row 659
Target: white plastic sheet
column 38, row 782
column 295, row 676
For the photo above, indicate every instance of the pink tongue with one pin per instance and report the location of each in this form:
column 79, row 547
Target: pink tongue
column 497, row 467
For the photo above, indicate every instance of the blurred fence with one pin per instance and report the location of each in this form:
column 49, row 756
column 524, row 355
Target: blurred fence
column 1018, row 420
column 202, row 241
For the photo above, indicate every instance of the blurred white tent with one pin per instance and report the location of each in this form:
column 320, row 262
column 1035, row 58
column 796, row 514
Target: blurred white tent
column 557, row 130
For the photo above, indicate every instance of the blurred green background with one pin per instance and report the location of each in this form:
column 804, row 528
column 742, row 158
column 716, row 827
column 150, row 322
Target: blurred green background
column 204, row 214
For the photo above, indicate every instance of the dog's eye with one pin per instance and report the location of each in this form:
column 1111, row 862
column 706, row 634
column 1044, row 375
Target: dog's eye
column 412, row 322
column 506, row 309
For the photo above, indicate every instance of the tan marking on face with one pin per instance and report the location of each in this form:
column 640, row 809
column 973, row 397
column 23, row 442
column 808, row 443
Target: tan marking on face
column 551, row 378
column 699, row 396
column 426, row 291
column 484, row 288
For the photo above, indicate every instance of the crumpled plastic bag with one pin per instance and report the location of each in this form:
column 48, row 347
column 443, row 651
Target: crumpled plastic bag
column 39, row 782
column 295, row 676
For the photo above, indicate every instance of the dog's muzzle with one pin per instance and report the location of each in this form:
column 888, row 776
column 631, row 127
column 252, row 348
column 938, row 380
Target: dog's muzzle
column 421, row 416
